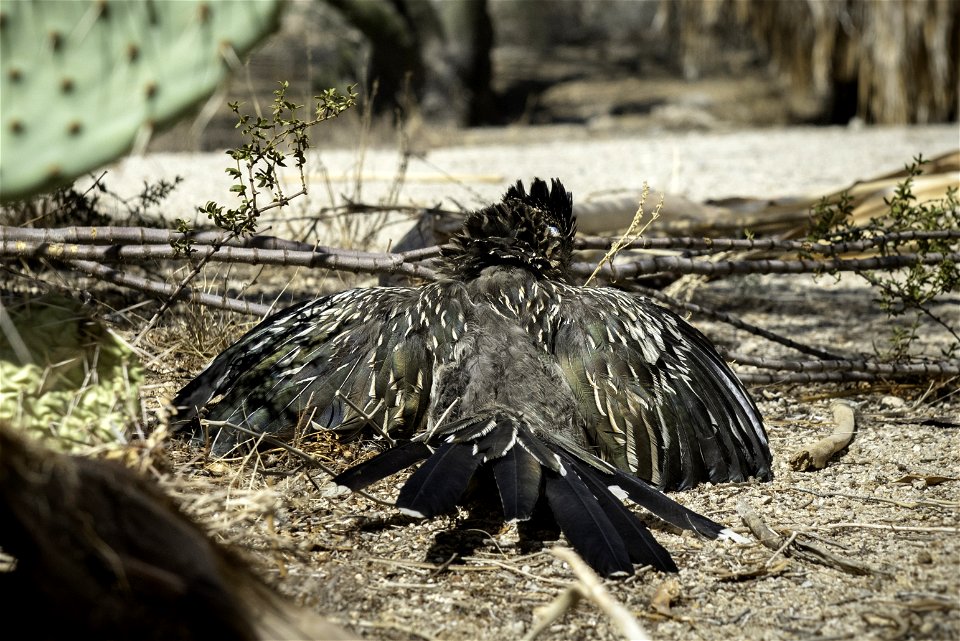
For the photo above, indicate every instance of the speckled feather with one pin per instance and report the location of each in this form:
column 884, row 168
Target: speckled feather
column 504, row 362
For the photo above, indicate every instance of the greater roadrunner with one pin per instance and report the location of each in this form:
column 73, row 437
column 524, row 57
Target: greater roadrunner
column 576, row 397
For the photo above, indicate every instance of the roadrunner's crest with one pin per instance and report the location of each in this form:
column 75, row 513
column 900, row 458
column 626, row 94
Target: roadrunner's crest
column 574, row 397
column 534, row 231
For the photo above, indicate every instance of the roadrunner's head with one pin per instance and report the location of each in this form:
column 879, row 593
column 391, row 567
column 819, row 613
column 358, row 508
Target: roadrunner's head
column 531, row 230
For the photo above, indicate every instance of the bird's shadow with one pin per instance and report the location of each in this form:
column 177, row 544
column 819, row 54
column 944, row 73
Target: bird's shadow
column 480, row 521
column 483, row 520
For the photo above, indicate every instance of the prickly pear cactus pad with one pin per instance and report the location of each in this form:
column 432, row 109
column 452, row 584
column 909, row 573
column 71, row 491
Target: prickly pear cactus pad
column 83, row 81
column 72, row 382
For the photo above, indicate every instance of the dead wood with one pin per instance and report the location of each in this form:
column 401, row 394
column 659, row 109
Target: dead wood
column 589, row 586
column 817, row 455
column 797, row 544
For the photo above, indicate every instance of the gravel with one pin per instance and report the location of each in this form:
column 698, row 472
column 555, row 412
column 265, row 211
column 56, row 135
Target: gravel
column 879, row 502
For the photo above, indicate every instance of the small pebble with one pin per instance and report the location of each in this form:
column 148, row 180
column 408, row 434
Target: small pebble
column 892, row 402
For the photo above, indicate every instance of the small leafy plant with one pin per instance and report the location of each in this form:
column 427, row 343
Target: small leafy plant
column 916, row 286
column 271, row 142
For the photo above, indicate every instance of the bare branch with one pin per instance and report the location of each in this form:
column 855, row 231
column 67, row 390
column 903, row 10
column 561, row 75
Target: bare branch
column 680, row 265
column 730, row 319
column 159, row 288
column 104, row 235
column 779, row 378
column 771, row 244
column 893, row 370
column 329, row 258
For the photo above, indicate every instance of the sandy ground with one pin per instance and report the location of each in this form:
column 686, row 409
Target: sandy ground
column 890, row 502
column 478, row 165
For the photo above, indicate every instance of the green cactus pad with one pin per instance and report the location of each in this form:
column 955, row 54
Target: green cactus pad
column 78, row 385
column 82, row 81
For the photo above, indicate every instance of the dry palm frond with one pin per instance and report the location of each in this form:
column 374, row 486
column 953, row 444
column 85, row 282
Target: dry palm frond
column 897, row 58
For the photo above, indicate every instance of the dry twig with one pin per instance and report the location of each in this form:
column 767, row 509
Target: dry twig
column 797, row 544
column 816, row 456
column 590, row 586
column 681, row 265
column 139, row 283
column 633, row 232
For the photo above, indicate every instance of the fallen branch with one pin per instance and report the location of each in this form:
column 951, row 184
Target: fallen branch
column 159, row 288
column 681, row 265
column 780, row 378
column 733, row 321
column 690, row 243
column 816, row 456
column 939, row 368
column 588, row 585
column 767, row 537
column 797, row 544
column 325, row 257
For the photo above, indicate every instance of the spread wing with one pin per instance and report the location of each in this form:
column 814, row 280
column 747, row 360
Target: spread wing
column 658, row 399
column 340, row 362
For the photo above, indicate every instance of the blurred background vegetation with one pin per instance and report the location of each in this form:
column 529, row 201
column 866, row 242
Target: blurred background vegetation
column 609, row 65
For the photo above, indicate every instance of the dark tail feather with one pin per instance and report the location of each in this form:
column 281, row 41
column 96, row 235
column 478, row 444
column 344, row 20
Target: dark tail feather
column 538, row 449
column 518, row 478
column 582, row 492
column 641, row 545
column 438, row 484
column 585, row 524
column 663, row 506
column 501, row 440
column 468, row 429
column 383, row 465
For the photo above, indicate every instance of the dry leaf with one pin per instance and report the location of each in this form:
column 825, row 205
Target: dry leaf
column 665, row 595
column 929, row 481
